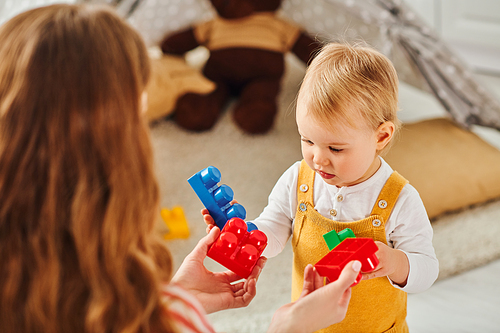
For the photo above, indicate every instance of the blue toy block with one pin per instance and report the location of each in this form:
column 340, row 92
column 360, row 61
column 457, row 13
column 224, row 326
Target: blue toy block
column 333, row 238
column 217, row 199
column 251, row 226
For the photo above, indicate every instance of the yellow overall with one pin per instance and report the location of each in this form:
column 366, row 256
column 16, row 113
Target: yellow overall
column 375, row 306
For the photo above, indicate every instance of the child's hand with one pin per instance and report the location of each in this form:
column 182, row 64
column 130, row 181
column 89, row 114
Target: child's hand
column 209, row 220
column 393, row 263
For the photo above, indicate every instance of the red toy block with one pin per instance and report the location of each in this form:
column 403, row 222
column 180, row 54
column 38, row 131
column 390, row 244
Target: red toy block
column 237, row 249
column 360, row 249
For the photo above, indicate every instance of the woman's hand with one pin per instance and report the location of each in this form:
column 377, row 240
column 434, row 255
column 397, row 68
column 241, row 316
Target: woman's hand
column 393, row 263
column 319, row 306
column 215, row 291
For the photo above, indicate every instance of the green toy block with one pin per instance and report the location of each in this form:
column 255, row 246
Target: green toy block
column 333, row 238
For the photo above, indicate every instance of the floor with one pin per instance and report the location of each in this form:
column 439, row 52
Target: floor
column 469, row 302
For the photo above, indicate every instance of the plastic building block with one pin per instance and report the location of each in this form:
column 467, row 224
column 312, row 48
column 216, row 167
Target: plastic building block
column 238, row 249
column 333, row 238
column 217, row 199
column 361, row 249
column 176, row 223
column 251, row 226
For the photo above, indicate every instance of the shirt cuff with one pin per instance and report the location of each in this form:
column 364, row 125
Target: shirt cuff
column 421, row 275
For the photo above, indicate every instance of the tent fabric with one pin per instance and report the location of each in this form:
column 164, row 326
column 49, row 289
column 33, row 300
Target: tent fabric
column 448, row 78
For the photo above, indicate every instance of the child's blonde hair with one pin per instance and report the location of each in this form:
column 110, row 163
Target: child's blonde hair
column 345, row 83
column 78, row 194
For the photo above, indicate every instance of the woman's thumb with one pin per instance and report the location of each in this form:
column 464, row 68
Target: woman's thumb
column 349, row 274
column 207, row 241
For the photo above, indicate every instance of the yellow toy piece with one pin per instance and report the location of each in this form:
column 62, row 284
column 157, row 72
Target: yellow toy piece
column 176, row 223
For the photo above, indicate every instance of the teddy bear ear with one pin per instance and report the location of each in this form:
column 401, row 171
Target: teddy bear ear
column 266, row 5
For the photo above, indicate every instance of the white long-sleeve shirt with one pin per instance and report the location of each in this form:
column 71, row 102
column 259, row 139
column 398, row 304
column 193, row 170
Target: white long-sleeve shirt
column 408, row 228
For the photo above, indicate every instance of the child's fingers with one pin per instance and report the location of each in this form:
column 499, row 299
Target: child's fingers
column 210, row 227
column 207, row 217
column 379, row 272
column 205, row 213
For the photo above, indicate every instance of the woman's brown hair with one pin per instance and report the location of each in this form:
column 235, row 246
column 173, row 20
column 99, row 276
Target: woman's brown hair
column 78, row 194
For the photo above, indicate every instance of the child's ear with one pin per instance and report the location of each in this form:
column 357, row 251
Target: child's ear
column 384, row 134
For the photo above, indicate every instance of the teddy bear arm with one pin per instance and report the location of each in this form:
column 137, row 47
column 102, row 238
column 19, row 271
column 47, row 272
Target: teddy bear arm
column 180, row 42
column 305, row 47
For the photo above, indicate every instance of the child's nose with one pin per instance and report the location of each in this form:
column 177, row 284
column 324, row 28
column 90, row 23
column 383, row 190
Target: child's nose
column 320, row 157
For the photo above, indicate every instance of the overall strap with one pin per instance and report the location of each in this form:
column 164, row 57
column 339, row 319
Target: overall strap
column 305, row 190
column 388, row 196
column 305, row 184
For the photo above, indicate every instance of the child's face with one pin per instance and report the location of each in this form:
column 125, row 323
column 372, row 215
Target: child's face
column 340, row 154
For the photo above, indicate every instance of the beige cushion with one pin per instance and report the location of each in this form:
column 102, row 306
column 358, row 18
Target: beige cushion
column 172, row 77
column 450, row 167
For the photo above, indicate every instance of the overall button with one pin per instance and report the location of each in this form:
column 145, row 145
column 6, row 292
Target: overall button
column 303, row 188
column 382, row 204
column 340, row 198
column 333, row 212
column 376, row 223
column 303, row 207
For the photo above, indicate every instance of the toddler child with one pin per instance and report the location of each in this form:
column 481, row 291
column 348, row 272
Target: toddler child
column 346, row 117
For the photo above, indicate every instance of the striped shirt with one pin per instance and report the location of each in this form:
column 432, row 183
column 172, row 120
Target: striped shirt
column 185, row 310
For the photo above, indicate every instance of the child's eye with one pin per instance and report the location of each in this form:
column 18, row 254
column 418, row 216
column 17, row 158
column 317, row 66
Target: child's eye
column 335, row 150
column 309, row 142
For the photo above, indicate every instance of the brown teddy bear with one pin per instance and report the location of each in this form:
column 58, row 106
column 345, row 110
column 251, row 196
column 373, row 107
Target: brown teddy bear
column 247, row 42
